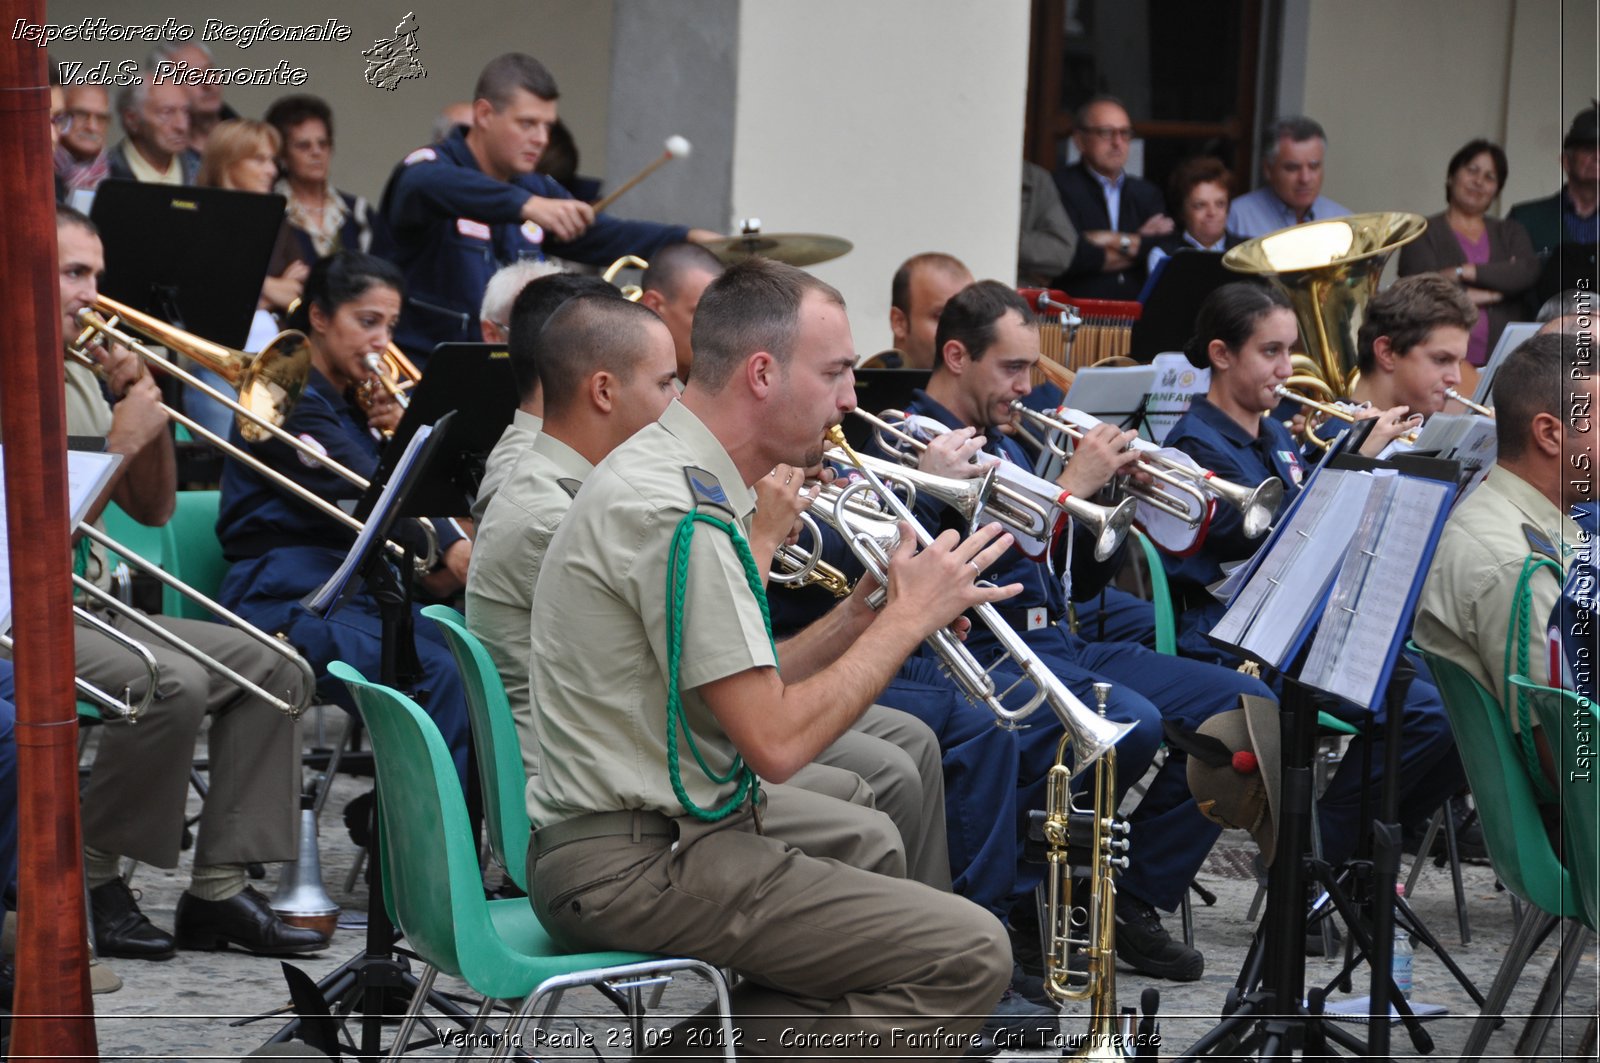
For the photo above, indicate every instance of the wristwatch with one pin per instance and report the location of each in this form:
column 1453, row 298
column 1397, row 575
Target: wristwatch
column 1461, row 274
column 1126, row 243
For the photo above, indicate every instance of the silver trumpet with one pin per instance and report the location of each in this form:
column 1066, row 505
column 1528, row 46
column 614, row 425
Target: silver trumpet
column 1092, row 736
column 1032, row 512
column 1257, row 505
column 1475, row 407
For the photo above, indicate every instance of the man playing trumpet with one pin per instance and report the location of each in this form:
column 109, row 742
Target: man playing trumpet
column 133, row 804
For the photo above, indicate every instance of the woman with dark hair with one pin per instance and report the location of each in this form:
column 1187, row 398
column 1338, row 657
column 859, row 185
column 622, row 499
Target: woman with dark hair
column 1243, row 335
column 1492, row 258
column 323, row 219
column 282, row 548
column 1199, row 192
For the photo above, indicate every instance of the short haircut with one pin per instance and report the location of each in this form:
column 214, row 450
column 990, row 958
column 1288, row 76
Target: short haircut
column 1566, row 303
column 287, row 112
column 132, row 97
column 1295, row 128
column 900, row 287
column 340, row 278
column 1194, row 171
column 669, row 265
column 1408, row 311
column 1080, row 117
column 506, row 74
column 506, row 284
column 1230, row 314
column 972, row 316
column 1471, row 150
column 229, row 142
column 587, row 334
column 532, row 308
column 66, row 216
column 1533, row 380
column 754, row 306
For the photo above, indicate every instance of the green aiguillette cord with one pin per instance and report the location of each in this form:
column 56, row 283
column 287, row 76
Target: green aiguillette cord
column 1521, row 618
column 677, row 580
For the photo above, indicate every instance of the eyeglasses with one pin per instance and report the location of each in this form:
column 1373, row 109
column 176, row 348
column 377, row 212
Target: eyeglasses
column 1107, row 132
column 62, row 122
column 89, row 117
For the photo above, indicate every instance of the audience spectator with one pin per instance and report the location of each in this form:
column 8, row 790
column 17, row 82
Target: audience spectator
column 1199, row 190
column 322, row 218
column 80, row 156
column 1292, row 153
column 452, row 115
column 1570, row 219
column 1117, row 214
column 1489, row 257
column 206, row 107
column 1048, row 239
column 155, row 119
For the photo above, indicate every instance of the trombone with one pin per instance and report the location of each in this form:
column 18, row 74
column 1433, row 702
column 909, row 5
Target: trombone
column 269, row 383
column 1031, row 514
column 1257, row 505
column 125, row 708
column 1092, row 735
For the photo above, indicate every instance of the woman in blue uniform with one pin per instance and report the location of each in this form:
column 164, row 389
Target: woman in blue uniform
column 283, row 549
column 1244, row 335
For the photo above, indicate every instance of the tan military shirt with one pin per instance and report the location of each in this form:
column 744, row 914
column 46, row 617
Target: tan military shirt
column 1465, row 609
column 518, row 436
column 512, row 539
column 599, row 671
column 88, row 414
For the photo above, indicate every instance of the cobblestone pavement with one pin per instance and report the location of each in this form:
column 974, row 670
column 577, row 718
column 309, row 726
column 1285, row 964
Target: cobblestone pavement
column 187, row 1008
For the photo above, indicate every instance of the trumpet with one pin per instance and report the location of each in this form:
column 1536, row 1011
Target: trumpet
column 1257, row 505
column 1475, row 407
column 260, row 410
column 380, row 377
column 1337, row 411
column 1033, row 514
column 795, row 567
column 1092, row 736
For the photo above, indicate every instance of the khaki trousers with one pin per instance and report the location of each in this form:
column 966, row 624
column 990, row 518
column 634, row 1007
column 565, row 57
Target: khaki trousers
column 837, row 961
column 134, row 802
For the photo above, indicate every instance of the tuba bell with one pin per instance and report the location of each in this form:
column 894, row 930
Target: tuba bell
column 1329, row 270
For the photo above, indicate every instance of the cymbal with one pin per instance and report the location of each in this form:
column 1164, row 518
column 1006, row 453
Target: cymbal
column 797, row 249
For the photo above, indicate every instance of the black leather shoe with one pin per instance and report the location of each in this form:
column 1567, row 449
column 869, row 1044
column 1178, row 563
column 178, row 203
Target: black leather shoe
column 121, row 929
column 245, row 920
column 1145, row 946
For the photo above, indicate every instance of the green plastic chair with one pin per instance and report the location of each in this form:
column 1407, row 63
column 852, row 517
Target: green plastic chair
column 494, row 739
column 192, row 552
column 1519, row 849
column 1556, row 710
column 434, row 892
column 1160, row 596
column 149, row 543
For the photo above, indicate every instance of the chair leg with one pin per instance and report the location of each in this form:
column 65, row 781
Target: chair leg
column 1428, row 837
column 479, row 1020
column 1548, row 1006
column 1531, row 930
column 420, row 997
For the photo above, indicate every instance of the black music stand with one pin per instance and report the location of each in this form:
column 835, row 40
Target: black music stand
column 1175, row 297
column 475, row 380
column 163, row 245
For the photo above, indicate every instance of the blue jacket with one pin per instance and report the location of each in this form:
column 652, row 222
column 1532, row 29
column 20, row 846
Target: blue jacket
column 449, row 226
column 257, row 516
column 1216, row 441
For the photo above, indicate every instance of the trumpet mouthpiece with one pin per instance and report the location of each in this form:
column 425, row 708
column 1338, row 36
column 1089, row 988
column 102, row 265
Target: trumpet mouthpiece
column 678, row 147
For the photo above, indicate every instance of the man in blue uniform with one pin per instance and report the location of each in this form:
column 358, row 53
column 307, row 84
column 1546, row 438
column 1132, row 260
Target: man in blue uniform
column 987, row 343
column 458, row 210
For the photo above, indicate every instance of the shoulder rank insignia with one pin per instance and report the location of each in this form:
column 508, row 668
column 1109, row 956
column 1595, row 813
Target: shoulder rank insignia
column 569, row 485
column 706, row 488
column 1539, row 543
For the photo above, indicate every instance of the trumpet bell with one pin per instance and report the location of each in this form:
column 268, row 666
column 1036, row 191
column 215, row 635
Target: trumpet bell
column 1257, row 505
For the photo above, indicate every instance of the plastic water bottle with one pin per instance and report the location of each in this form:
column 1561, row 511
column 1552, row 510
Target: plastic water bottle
column 1400, row 964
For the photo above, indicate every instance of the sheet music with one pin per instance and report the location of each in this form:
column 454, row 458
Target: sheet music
column 88, row 472
column 326, row 596
column 1372, row 599
column 1268, row 615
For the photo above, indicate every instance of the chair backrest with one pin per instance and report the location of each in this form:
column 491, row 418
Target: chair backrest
column 1562, row 715
column 1519, row 849
column 494, row 739
column 192, row 552
column 1160, row 596
column 149, row 543
column 431, row 880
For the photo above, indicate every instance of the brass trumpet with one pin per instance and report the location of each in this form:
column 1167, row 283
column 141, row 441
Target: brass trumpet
column 1033, row 515
column 380, row 377
column 1092, row 736
column 1257, row 505
column 1336, row 411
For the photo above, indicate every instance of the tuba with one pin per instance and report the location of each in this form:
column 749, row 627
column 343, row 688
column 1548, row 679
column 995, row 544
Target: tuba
column 1329, row 270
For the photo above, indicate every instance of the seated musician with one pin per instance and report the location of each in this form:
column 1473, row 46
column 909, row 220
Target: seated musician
column 134, row 802
column 282, row 548
column 1411, row 345
column 1244, row 334
column 1498, row 570
column 672, row 287
column 987, row 343
column 917, row 294
column 658, row 708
